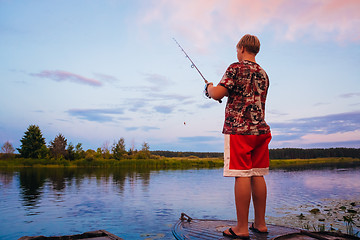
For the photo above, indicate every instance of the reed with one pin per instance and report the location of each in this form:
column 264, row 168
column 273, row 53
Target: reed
column 168, row 163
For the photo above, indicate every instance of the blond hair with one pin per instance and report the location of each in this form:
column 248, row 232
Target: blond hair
column 250, row 43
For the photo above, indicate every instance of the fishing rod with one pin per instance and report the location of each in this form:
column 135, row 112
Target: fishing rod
column 194, row 66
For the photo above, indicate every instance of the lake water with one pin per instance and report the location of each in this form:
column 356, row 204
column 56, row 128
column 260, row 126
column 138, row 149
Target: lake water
column 144, row 204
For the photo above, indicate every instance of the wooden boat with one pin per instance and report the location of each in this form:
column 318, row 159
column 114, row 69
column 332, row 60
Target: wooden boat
column 195, row 229
column 93, row 235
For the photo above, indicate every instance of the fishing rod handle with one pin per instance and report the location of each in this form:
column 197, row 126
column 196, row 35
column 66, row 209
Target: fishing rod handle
column 207, row 93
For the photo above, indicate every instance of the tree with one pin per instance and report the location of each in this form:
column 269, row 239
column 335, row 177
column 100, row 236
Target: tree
column 58, row 146
column 89, row 155
column 145, row 147
column 32, row 142
column 71, row 152
column 105, row 150
column 7, row 149
column 79, row 151
column 144, row 153
column 118, row 149
column 44, row 152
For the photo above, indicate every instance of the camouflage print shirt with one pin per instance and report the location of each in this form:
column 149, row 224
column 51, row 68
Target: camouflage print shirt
column 247, row 84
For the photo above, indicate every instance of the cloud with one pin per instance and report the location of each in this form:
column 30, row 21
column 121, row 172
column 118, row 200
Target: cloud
column 168, row 97
column 96, row 115
column 198, row 139
column 105, row 77
column 350, row 95
column 132, row 128
column 333, row 123
column 148, row 128
column 60, row 76
column 327, row 130
column 333, row 137
column 158, row 80
column 345, row 144
column 137, row 105
column 164, row 109
column 334, row 20
column 143, row 128
column 206, row 105
column 277, row 113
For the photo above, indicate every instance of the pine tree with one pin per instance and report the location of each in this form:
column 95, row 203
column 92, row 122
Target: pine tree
column 79, row 151
column 71, row 152
column 58, row 146
column 32, row 142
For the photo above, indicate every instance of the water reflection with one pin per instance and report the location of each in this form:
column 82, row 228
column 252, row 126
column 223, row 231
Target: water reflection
column 137, row 203
column 328, row 183
column 31, row 185
column 33, row 180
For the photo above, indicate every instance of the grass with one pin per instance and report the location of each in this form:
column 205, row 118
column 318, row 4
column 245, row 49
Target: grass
column 167, row 163
column 159, row 163
column 334, row 161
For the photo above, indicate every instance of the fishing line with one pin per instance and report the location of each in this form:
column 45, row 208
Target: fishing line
column 194, row 66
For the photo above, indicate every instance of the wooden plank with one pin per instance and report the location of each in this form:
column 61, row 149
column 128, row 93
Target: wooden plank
column 93, row 235
column 212, row 229
column 195, row 229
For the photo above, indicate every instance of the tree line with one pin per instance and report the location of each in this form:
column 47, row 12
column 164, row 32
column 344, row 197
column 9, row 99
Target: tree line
column 292, row 153
column 279, row 153
column 33, row 145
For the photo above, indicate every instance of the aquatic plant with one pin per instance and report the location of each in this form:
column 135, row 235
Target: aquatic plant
column 343, row 208
column 320, row 228
column 316, row 228
column 315, row 211
column 306, row 226
column 301, row 216
column 333, row 215
column 349, row 222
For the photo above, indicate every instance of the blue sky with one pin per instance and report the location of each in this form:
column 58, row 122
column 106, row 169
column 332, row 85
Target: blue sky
column 96, row 71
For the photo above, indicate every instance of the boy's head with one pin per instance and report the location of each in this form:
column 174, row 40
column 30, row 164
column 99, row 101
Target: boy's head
column 250, row 43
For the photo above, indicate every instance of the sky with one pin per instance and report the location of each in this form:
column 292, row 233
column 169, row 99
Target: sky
column 97, row 71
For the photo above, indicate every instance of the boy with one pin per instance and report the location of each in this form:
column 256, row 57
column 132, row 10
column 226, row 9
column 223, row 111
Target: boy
column 247, row 136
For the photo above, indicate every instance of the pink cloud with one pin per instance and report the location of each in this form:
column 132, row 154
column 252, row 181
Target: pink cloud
column 334, row 137
column 213, row 20
column 67, row 76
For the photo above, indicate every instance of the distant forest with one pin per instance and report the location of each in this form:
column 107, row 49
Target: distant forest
column 280, row 153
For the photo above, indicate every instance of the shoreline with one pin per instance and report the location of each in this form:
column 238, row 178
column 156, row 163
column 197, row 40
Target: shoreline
column 174, row 163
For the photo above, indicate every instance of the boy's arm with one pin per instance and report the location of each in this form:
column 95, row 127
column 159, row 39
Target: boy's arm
column 217, row 92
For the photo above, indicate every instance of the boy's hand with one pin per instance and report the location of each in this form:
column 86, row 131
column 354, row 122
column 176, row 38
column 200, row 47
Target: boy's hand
column 206, row 88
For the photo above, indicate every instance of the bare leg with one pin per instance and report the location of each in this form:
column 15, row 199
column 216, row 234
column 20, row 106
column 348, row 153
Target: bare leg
column 242, row 191
column 259, row 192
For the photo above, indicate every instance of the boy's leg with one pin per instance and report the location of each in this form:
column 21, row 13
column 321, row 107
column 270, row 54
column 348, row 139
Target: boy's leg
column 260, row 157
column 259, row 192
column 242, row 201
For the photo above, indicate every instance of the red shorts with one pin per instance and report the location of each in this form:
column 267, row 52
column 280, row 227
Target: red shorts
column 246, row 155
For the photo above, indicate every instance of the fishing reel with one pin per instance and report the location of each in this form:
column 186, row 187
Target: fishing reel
column 206, row 93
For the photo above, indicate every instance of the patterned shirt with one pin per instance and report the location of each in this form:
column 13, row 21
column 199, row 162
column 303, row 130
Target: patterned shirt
column 247, row 84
